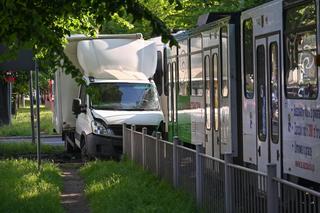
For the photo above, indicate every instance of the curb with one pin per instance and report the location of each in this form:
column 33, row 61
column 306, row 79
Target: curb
column 28, row 137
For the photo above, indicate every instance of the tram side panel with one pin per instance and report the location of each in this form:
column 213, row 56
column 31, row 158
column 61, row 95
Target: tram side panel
column 301, row 104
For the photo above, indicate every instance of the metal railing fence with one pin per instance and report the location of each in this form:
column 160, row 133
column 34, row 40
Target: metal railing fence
column 217, row 185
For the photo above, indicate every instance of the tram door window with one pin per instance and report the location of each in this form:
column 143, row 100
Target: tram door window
column 208, row 91
column 224, row 61
column 267, row 99
column 262, row 99
column 169, row 68
column 274, row 87
column 248, row 58
column 208, row 98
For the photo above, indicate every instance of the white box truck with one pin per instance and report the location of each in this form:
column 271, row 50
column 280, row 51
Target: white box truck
column 119, row 89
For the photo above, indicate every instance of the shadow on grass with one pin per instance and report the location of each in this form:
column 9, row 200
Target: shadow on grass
column 124, row 187
column 24, row 189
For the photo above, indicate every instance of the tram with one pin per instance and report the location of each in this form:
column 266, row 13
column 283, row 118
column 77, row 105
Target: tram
column 247, row 83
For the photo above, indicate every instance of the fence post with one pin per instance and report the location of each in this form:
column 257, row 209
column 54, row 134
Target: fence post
column 133, row 129
column 227, row 184
column 144, row 133
column 175, row 161
column 199, row 173
column 272, row 190
column 124, row 138
column 158, row 135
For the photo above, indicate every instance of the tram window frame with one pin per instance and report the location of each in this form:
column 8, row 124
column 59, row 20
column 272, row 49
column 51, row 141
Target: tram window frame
column 207, row 87
column 224, row 57
column 298, row 31
column 262, row 115
column 274, row 137
column 248, row 59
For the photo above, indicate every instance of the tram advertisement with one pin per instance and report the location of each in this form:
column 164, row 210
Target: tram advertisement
column 301, row 142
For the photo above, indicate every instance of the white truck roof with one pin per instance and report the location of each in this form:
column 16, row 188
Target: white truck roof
column 113, row 57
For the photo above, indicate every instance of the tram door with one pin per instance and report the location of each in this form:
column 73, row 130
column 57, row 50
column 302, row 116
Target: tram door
column 212, row 98
column 267, row 65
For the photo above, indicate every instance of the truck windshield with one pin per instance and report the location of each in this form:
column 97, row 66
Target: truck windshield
column 123, row 96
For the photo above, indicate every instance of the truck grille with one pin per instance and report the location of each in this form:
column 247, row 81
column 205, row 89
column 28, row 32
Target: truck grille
column 117, row 129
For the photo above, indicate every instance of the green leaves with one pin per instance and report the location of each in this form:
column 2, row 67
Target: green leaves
column 43, row 25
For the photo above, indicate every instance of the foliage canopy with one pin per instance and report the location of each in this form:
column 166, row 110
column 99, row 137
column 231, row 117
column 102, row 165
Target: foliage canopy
column 43, row 25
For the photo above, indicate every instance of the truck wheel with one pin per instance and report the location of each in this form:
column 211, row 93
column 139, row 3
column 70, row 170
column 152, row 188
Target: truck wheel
column 84, row 150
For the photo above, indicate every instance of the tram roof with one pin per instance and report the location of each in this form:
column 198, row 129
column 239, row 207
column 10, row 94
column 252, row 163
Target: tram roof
column 207, row 22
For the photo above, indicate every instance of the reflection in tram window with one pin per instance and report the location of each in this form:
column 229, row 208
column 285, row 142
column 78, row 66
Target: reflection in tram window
column 248, row 58
column 170, row 91
column 261, row 93
column 174, row 90
column 184, row 82
column 224, row 61
column 208, row 93
column 301, row 71
column 216, row 89
column 196, row 75
column 274, row 92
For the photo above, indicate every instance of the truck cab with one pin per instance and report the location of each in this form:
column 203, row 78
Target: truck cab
column 104, row 105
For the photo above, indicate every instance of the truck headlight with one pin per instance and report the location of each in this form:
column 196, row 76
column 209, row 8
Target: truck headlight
column 99, row 129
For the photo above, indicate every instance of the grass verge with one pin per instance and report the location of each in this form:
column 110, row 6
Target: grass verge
column 24, row 189
column 25, row 148
column 125, row 187
column 21, row 123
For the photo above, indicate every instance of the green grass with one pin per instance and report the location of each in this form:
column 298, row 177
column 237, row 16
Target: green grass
column 125, row 187
column 22, row 148
column 24, row 189
column 21, row 123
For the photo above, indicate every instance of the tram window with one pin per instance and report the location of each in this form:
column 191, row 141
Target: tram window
column 215, row 91
column 174, row 90
column 183, row 47
column 196, row 74
column 262, row 123
column 184, row 82
column 248, row 58
column 274, row 86
column 300, row 40
column 195, row 43
column 157, row 77
column 169, row 91
column 224, row 61
column 208, row 92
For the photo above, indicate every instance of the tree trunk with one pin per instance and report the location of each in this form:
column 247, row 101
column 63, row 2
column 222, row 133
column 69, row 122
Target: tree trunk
column 4, row 106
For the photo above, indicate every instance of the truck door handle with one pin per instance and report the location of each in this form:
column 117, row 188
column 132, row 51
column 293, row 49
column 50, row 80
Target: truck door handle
column 259, row 150
column 278, row 155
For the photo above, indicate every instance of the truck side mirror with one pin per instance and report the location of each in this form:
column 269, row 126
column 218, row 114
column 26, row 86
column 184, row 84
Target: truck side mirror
column 76, row 106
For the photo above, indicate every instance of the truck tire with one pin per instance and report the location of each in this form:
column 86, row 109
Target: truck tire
column 84, row 150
